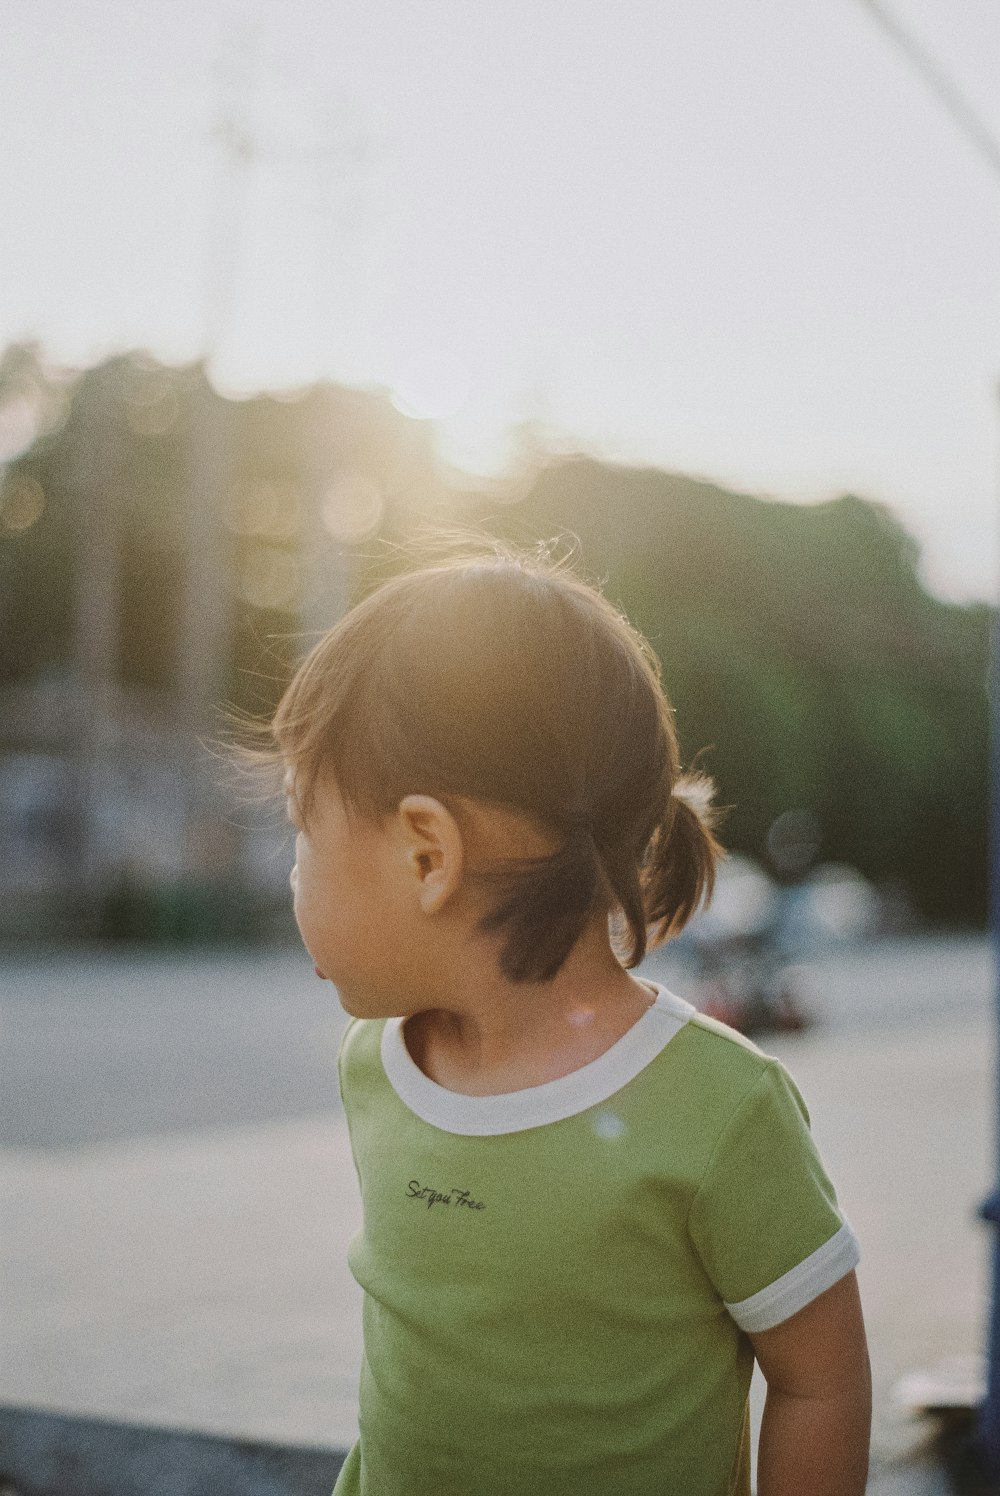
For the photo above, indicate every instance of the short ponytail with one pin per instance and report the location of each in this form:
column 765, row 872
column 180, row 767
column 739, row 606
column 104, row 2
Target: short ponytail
column 678, row 875
column 548, row 900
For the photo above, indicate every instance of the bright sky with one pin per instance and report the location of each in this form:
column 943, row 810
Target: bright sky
column 736, row 238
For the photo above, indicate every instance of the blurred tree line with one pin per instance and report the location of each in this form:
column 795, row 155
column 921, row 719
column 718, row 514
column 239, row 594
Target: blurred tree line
column 115, row 458
column 808, row 666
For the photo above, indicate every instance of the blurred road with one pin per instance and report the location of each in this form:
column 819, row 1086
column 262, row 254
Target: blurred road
column 101, row 1047
column 98, row 1047
column 178, row 1194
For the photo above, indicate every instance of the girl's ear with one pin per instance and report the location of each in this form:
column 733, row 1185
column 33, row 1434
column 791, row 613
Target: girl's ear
column 434, row 851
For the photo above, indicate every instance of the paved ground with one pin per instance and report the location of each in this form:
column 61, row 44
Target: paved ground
column 178, row 1194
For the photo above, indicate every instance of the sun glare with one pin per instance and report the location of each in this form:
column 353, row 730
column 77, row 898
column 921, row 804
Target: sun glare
column 432, row 384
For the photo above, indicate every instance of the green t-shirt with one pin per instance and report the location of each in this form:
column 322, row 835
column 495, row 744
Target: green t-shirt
column 557, row 1280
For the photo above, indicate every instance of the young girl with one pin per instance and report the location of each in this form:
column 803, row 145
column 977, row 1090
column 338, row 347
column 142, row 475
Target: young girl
column 587, row 1208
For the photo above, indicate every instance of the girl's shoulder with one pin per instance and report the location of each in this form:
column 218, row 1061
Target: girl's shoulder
column 696, row 1060
column 722, row 1054
column 732, row 1040
column 712, row 1048
column 710, row 1074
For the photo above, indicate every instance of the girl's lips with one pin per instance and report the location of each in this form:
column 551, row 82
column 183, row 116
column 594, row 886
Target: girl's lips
column 320, row 974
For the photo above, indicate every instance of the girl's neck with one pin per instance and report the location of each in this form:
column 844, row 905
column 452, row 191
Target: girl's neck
column 501, row 1036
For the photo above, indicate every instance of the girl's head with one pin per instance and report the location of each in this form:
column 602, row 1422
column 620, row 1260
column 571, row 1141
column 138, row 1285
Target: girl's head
column 499, row 679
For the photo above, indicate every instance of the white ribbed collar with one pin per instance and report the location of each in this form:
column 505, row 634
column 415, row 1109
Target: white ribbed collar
column 516, row 1111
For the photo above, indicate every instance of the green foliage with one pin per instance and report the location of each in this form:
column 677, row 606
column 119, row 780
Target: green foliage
column 808, row 666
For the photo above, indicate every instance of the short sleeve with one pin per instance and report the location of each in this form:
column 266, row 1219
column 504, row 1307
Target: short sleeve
column 765, row 1220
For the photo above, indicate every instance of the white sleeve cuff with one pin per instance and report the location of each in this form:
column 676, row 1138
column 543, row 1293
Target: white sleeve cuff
column 800, row 1285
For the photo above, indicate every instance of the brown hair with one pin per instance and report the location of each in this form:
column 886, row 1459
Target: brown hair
column 502, row 676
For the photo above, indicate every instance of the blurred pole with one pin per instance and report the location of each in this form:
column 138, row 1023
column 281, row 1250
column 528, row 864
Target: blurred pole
column 234, row 134
column 968, row 119
column 203, row 639
column 979, row 135
column 327, row 567
column 988, row 1426
column 96, row 628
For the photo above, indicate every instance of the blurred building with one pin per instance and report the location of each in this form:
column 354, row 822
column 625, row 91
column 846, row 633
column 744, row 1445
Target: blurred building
column 180, row 551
